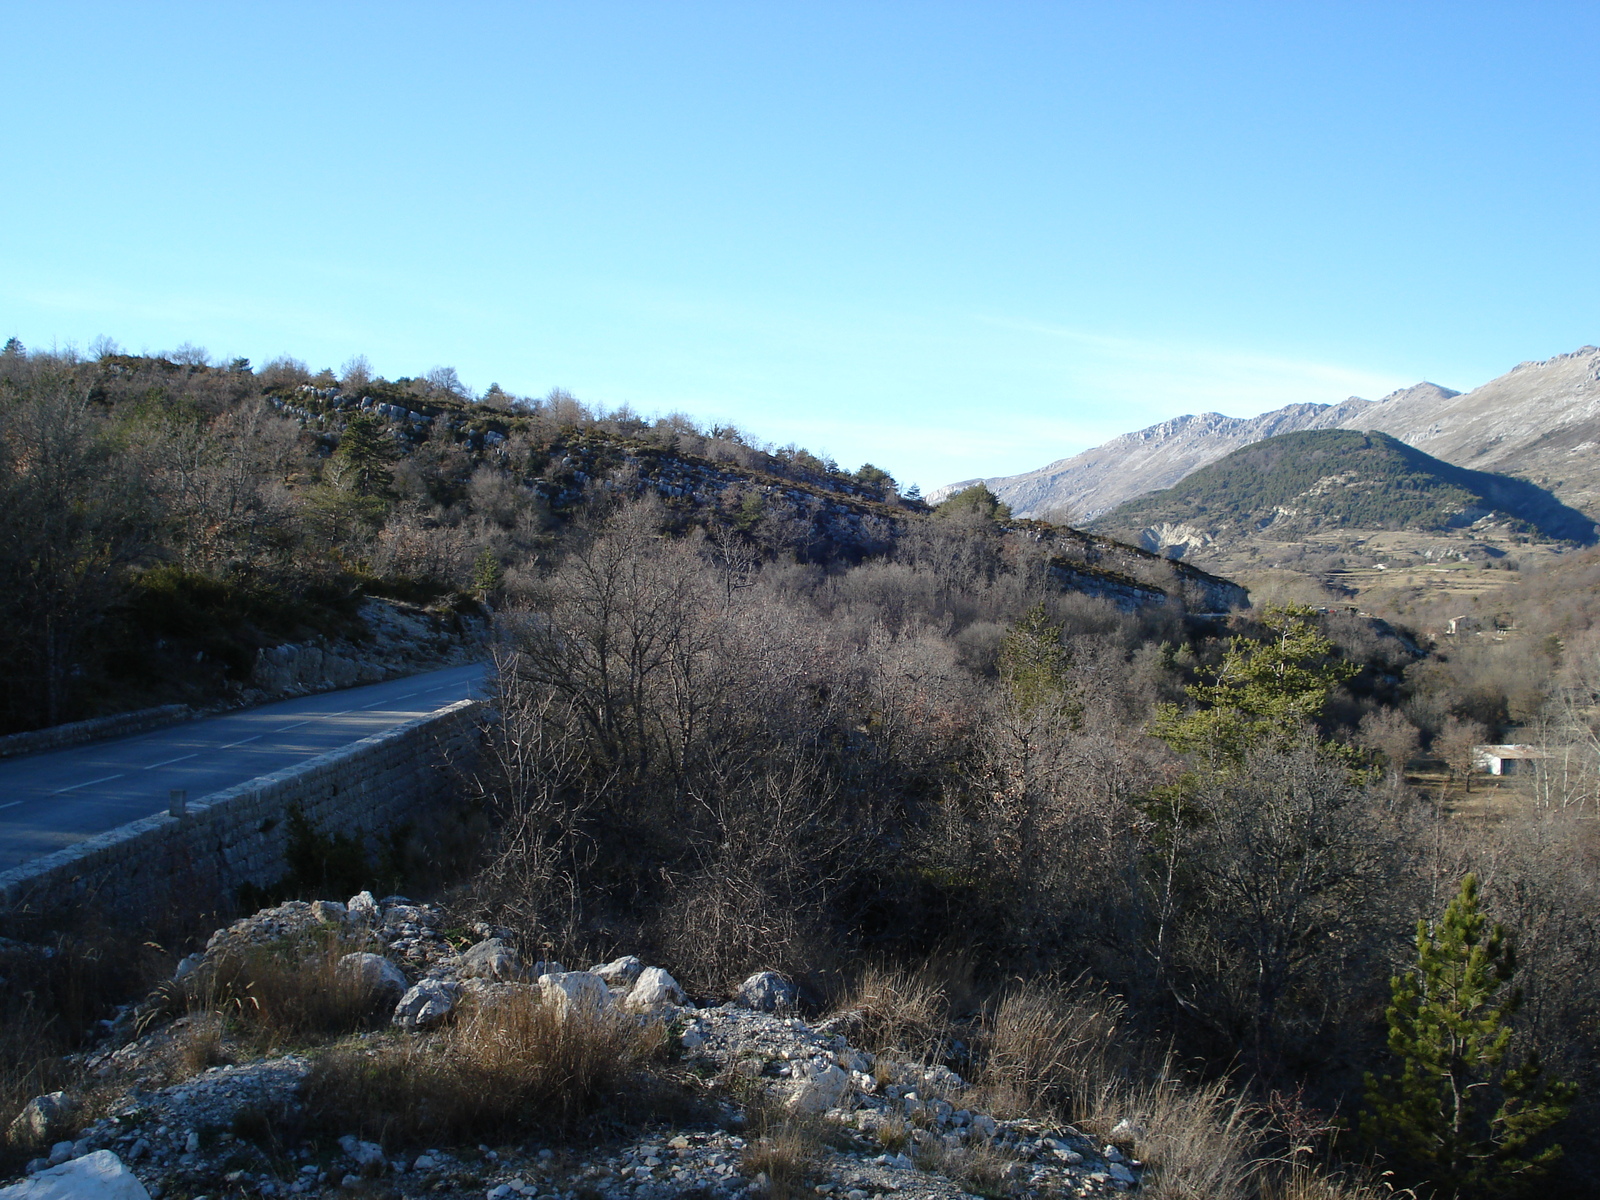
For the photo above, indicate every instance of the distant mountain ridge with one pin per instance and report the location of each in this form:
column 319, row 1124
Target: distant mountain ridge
column 1318, row 481
column 1540, row 420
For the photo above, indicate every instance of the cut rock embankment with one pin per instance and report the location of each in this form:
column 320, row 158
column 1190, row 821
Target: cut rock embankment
column 893, row 1127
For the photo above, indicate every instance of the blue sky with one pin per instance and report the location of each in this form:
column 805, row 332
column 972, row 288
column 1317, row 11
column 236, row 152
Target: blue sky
column 951, row 239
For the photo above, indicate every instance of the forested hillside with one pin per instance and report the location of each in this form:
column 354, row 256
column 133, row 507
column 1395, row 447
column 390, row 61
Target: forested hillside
column 169, row 518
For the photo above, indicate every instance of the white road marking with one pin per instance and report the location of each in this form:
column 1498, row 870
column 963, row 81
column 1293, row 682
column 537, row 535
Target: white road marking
column 170, row 761
column 242, row 741
column 13, row 804
column 88, row 783
column 296, row 725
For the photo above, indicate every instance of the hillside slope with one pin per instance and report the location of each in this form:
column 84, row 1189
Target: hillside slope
column 236, row 514
column 1540, row 420
column 1298, row 484
column 1146, row 460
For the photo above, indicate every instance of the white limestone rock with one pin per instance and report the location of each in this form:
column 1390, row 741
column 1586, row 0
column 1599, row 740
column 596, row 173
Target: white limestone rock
column 653, row 991
column 766, row 991
column 621, row 972
column 580, row 993
column 426, row 1004
column 97, row 1176
column 380, row 977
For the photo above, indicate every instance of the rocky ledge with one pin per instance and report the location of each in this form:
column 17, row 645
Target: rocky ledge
column 881, row 1126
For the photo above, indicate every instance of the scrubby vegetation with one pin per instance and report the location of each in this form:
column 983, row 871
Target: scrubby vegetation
column 1102, row 856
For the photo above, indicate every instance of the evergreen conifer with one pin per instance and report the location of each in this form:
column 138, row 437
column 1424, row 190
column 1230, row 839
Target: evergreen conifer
column 1460, row 1118
column 361, row 464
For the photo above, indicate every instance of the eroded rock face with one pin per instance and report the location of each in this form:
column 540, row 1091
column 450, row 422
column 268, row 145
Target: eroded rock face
column 97, row 1176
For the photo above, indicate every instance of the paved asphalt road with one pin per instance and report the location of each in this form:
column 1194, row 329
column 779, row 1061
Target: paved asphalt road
column 52, row 800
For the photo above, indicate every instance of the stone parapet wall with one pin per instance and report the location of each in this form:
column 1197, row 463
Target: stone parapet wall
column 57, row 737
column 239, row 836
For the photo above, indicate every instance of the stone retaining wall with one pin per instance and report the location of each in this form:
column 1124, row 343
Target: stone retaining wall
column 239, row 836
column 123, row 724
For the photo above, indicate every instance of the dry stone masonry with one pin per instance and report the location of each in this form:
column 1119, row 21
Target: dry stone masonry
column 240, row 835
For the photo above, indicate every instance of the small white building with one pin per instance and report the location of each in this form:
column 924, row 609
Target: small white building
column 1507, row 760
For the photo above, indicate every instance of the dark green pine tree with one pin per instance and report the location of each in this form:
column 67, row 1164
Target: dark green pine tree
column 1034, row 666
column 487, row 574
column 361, row 464
column 1460, row 1119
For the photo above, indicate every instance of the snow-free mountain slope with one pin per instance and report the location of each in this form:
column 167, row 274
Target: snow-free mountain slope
column 1082, row 487
column 1540, row 420
column 1322, row 482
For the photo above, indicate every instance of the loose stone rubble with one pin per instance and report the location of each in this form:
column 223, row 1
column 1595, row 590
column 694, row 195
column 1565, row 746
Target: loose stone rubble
column 887, row 1127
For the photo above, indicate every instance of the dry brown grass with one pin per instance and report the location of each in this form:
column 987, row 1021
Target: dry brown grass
column 785, row 1153
column 1052, row 1052
column 1306, row 1183
column 893, row 1132
column 979, row 1167
column 283, row 992
column 501, row 1069
column 1064, row 1054
column 1200, row 1141
column 892, row 1008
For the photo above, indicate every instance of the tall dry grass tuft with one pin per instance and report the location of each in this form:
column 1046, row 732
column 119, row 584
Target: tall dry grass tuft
column 1064, row 1054
column 1307, row 1183
column 285, row 991
column 980, row 1168
column 503, row 1068
column 1199, row 1142
column 785, row 1153
column 891, row 1008
column 1052, row 1052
